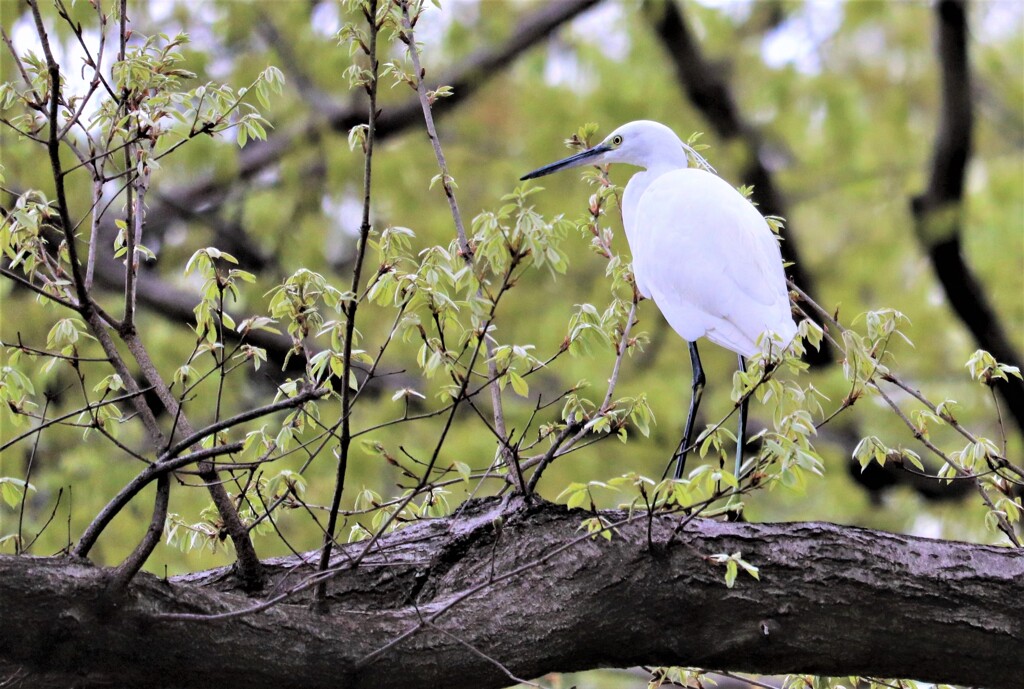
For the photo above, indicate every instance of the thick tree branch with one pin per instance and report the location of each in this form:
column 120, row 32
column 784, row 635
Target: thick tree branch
column 938, row 211
column 528, row 590
column 706, row 87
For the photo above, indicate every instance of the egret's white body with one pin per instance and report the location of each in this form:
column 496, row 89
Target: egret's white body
column 710, row 263
column 701, row 251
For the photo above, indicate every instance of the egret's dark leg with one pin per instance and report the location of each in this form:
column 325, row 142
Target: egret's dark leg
column 696, row 391
column 741, row 436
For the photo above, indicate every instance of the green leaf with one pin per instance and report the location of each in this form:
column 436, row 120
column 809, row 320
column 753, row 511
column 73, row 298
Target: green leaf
column 913, row 458
column 12, row 489
column 576, row 493
column 111, row 383
column 730, row 572
column 577, row 499
column 749, row 568
column 464, row 471
column 518, row 384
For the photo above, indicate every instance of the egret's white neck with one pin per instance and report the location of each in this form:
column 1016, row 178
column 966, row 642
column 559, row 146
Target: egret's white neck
column 657, row 157
column 631, row 199
column 665, row 162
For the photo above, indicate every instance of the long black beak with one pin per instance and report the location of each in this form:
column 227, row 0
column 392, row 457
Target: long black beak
column 580, row 158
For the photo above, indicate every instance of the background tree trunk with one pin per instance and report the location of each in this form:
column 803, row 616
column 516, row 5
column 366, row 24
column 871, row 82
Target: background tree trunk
column 938, row 211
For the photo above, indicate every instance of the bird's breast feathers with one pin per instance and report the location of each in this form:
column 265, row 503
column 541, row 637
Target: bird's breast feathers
column 709, row 260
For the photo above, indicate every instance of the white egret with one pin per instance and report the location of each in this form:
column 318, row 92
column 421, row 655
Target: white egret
column 701, row 251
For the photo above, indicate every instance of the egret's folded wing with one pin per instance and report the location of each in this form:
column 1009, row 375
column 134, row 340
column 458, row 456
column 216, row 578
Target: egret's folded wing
column 710, row 261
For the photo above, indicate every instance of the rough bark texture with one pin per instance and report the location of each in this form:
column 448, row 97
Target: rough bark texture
column 938, row 212
column 508, row 587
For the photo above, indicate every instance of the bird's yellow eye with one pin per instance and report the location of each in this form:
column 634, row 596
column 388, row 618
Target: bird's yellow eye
column 616, row 141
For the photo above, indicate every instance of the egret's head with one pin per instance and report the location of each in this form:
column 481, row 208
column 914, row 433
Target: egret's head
column 642, row 143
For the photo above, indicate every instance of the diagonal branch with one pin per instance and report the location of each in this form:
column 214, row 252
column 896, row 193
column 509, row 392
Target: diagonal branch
column 466, row 79
column 426, row 107
column 172, row 459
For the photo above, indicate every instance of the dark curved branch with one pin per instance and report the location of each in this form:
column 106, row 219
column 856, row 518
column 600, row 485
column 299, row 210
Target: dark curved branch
column 706, row 87
column 172, row 459
column 938, row 211
column 203, row 199
column 462, row 602
column 465, row 79
column 127, row 570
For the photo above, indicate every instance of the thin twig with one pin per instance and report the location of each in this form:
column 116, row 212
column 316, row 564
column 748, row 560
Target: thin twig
column 350, row 308
column 28, row 478
column 57, row 419
column 49, row 520
column 21, row 69
column 562, row 440
column 170, row 461
column 408, row 37
column 10, row 274
column 1004, row 525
